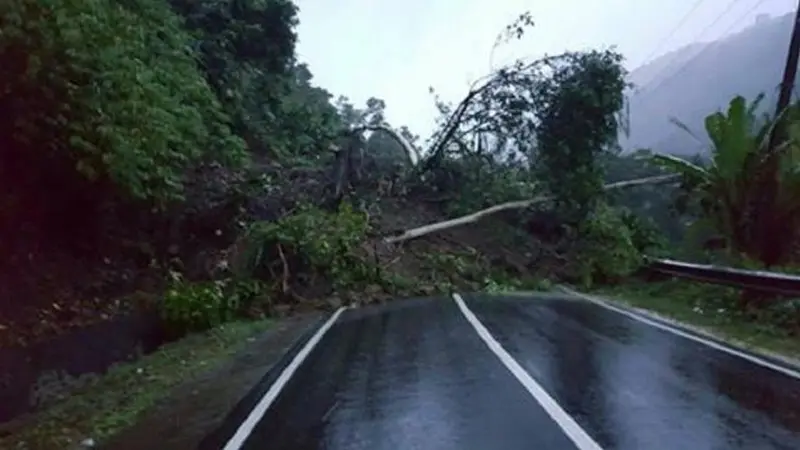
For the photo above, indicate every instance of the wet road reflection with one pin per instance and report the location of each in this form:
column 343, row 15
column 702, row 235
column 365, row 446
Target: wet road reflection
column 410, row 376
column 632, row 386
column 416, row 374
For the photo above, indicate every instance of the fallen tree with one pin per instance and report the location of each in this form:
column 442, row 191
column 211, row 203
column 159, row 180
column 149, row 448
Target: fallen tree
column 478, row 215
column 491, row 123
column 509, row 145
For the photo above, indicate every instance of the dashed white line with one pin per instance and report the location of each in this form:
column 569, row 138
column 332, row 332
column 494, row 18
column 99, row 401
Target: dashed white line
column 723, row 348
column 574, row 432
column 244, row 430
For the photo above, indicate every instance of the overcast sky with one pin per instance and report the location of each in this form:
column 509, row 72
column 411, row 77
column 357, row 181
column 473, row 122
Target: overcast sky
column 395, row 50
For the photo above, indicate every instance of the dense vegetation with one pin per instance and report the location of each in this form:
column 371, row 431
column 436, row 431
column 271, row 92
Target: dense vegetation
column 175, row 156
column 180, row 148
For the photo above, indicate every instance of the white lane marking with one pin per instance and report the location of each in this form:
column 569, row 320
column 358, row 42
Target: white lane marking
column 244, row 430
column 723, row 348
column 571, row 428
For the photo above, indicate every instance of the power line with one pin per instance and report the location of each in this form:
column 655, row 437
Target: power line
column 695, row 39
column 707, row 46
column 704, row 49
column 674, row 29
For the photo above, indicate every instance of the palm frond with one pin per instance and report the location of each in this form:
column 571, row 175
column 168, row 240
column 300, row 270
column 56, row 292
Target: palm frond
column 692, row 172
column 675, row 121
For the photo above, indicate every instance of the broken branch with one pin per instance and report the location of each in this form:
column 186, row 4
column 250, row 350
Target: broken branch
column 285, row 280
column 518, row 204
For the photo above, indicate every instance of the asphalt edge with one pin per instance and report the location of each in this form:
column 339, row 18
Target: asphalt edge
column 568, row 425
column 217, row 438
column 764, row 358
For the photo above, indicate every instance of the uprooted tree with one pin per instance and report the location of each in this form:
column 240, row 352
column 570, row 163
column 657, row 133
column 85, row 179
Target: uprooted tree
column 535, row 127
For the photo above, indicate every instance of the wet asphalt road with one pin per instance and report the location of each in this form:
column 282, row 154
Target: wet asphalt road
column 416, row 374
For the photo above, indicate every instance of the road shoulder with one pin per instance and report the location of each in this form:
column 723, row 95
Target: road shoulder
column 778, row 354
column 198, row 407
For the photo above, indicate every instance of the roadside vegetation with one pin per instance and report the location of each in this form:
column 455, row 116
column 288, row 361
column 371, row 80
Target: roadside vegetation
column 774, row 329
column 742, row 209
column 94, row 413
column 182, row 161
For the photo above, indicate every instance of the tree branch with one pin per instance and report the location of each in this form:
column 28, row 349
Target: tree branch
column 411, row 151
column 285, row 280
column 519, row 204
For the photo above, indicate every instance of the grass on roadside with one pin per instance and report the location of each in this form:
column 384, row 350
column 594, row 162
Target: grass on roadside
column 118, row 398
column 713, row 309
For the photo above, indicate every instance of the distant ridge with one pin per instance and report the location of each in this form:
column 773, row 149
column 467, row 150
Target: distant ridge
column 746, row 63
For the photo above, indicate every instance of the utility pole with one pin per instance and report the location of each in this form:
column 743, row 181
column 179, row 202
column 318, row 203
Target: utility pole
column 789, row 71
column 768, row 225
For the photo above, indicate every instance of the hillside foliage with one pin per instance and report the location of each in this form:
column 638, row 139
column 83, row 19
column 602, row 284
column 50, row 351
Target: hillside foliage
column 191, row 132
column 110, row 90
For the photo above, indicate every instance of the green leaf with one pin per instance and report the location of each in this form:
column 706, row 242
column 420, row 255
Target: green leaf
column 692, row 172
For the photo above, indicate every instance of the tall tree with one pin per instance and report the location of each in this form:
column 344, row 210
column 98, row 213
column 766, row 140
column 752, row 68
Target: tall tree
column 578, row 106
column 247, row 50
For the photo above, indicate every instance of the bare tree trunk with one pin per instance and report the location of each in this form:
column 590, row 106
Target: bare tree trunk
column 519, row 204
column 412, row 152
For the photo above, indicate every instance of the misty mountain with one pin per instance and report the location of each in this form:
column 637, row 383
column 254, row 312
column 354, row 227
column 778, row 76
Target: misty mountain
column 701, row 78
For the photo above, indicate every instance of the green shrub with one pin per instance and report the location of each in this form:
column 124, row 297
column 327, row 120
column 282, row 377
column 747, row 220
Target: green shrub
column 479, row 183
column 607, row 251
column 207, row 304
column 310, row 241
column 645, row 234
column 111, row 87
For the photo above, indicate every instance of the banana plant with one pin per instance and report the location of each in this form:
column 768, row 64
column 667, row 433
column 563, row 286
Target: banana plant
column 725, row 187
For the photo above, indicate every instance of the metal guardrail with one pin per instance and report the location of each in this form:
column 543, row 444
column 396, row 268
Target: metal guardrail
column 757, row 280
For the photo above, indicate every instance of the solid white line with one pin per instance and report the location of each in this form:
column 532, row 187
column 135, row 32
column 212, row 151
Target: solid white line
column 723, row 348
column 571, row 428
column 257, row 413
